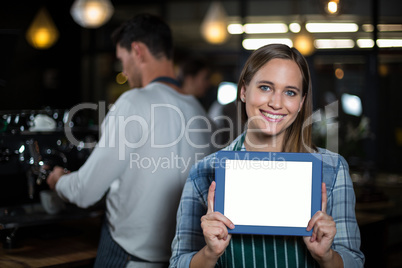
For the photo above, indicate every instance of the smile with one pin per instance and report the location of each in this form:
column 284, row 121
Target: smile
column 273, row 117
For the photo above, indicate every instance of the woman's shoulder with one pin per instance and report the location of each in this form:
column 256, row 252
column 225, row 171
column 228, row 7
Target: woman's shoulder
column 203, row 167
column 333, row 165
column 331, row 158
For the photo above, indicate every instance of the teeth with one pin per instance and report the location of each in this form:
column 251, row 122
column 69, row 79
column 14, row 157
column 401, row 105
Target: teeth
column 273, row 116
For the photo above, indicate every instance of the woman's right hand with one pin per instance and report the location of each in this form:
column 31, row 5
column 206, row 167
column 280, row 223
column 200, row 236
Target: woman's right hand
column 214, row 226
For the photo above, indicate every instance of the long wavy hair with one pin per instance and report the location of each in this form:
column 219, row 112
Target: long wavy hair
column 298, row 135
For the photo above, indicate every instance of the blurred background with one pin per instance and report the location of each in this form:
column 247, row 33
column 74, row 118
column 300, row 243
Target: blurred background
column 52, row 59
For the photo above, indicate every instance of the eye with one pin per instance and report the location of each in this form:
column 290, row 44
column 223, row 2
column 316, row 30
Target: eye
column 265, row 88
column 290, row 93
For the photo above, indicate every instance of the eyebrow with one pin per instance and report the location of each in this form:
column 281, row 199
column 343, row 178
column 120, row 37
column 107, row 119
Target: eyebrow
column 271, row 83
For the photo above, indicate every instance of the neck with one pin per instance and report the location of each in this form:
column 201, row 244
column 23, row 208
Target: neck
column 259, row 142
column 157, row 68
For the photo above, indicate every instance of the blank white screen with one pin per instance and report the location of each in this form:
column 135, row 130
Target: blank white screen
column 268, row 193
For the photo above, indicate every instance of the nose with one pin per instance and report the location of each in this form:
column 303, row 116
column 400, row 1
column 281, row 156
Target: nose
column 275, row 101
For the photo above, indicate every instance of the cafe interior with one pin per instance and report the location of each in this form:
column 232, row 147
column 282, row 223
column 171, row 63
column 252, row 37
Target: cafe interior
column 58, row 55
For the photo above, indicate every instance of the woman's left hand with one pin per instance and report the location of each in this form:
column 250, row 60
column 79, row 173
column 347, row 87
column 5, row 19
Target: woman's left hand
column 324, row 230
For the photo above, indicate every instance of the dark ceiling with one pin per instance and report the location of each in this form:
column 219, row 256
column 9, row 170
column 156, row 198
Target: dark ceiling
column 59, row 76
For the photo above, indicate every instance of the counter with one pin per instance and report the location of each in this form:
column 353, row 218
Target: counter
column 71, row 243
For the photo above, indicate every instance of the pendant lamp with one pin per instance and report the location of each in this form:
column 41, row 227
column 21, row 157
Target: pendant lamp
column 42, row 33
column 214, row 25
column 91, row 13
column 304, row 42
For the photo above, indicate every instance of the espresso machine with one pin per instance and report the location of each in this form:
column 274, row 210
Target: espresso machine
column 32, row 142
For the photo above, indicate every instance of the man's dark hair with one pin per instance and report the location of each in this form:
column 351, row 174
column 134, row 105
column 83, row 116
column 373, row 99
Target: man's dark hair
column 148, row 29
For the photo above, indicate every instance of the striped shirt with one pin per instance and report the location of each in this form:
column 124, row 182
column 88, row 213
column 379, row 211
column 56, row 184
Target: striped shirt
column 267, row 251
column 263, row 251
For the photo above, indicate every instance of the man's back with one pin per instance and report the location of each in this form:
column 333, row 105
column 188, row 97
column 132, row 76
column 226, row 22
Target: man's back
column 150, row 139
column 159, row 168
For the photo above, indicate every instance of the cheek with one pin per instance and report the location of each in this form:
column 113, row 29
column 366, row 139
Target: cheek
column 124, row 66
column 293, row 105
column 256, row 99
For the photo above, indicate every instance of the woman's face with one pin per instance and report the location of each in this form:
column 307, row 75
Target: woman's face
column 273, row 98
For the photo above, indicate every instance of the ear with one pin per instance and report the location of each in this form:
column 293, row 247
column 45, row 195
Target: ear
column 302, row 102
column 138, row 50
column 243, row 93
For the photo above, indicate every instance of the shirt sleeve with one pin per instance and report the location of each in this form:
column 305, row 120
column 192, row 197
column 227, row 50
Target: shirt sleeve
column 341, row 206
column 189, row 238
column 107, row 161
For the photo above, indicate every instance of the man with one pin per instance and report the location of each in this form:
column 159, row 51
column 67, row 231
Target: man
column 194, row 75
column 150, row 139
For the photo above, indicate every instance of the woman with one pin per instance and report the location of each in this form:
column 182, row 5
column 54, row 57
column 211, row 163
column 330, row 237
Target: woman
column 275, row 93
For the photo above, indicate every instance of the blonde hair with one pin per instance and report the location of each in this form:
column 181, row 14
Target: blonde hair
column 298, row 135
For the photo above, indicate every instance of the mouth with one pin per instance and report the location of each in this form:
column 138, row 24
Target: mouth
column 272, row 117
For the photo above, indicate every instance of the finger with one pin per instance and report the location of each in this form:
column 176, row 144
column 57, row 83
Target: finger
column 217, row 217
column 324, row 197
column 219, row 231
column 49, row 181
column 49, row 178
column 211, row 197
column 318, row 215
column 325, row 230
column 323, row 225
column 229, row 237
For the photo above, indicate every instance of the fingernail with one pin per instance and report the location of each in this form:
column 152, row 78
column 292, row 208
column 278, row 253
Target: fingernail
column 232, row 226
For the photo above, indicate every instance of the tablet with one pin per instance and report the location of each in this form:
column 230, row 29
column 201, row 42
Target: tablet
column 268, row 193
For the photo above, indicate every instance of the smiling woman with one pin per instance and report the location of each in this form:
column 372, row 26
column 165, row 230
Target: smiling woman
column 274, row 92
column 273, row 99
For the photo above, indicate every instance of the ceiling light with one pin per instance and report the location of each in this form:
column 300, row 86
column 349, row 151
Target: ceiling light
column 383, row 27
column 332, row 27
column 254, row 43
column 294, row 27
column 227, row 92
column 42, row 33
column 365, row 43
column 121, row 78
column 339, row 74
column 91, row 13
column 304, row 42
column 389, row 42
column 235, row 28
column 389, row 27
column 368, row 28
column 351, row 104
column 332, row 7
column 334, row 43
column 257, row 28
column 214, row 25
